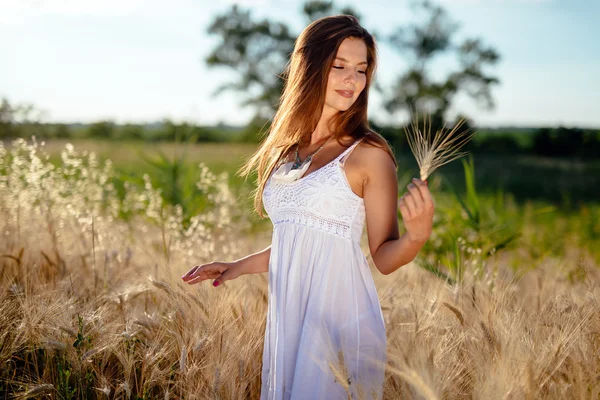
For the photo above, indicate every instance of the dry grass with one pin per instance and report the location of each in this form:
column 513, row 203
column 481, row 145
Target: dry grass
column 434, row 149
column 93, row 307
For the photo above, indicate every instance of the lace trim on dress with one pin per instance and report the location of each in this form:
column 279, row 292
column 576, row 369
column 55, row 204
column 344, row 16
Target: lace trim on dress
column 322, row 199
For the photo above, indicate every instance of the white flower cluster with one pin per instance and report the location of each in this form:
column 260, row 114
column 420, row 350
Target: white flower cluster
column 78, row 198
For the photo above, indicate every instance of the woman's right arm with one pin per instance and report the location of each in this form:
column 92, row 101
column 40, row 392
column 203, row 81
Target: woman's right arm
column 224, row 271
column 255, row 263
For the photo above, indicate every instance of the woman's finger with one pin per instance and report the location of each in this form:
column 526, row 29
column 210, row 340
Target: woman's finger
column 202, row 271
column 404, row 210
column 194, row 272
column 410, row 202
column 225, row 276
column 204, row 276
column 414, row 190
column 191, row 272
column 424, row 190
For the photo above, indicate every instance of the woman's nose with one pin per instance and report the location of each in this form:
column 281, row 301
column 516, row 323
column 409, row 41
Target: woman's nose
column 351, row 76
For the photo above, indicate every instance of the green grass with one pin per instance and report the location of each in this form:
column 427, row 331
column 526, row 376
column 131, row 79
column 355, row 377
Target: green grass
column 126, row 155
column 565, row 183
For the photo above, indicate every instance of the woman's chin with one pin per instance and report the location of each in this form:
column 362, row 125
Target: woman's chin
column 344, row 107
column 340, row 108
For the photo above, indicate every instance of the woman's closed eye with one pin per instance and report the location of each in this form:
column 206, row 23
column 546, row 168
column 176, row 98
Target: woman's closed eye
column 336, row 67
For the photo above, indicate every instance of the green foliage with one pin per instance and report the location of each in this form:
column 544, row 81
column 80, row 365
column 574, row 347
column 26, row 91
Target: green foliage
column 130, row 131
column 181, row 182
column 82, row 342
column 495, row 144
column 315, row 9
column 466, row 235
column 20, row 119
column 565, row 142
column 470, row 204
column 177, row 179
column 254, row 131
column 76, row 381
column 71, row 376
column 64, row 385
column 6, row 119
column 101, row 130
column 60, row 131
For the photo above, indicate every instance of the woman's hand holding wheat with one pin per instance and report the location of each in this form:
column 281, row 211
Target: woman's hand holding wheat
column 416, row 207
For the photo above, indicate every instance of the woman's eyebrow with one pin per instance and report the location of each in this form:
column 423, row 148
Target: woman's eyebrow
column 343, row 59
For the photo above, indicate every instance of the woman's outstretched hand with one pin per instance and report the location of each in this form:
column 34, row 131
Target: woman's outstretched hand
column 417, row 208
column 219, row 271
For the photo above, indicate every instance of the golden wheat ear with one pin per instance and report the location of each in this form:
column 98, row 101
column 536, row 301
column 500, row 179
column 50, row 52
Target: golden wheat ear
column 433, row 152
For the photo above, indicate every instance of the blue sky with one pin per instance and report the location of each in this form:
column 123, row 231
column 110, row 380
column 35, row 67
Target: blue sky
column 142, row 60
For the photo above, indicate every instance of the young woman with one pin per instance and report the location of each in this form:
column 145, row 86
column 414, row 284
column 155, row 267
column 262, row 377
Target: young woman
column 322, row 172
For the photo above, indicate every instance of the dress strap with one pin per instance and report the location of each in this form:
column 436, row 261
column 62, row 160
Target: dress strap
column 343, row 157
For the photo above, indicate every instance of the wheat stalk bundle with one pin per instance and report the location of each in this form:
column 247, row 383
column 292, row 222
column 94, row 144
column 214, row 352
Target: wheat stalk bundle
column 433, row 152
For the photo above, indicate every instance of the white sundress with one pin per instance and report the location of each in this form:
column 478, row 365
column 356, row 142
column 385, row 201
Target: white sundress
column 322, row 298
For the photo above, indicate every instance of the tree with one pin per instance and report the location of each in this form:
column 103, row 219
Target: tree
column 61, row 131
column 415, row 91
column 129, row 131
column 21, row 120
column 101, row 129
column 6, row 119
column 258, row 51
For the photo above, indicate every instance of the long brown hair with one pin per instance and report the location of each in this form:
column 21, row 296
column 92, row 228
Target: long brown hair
column 303, row 98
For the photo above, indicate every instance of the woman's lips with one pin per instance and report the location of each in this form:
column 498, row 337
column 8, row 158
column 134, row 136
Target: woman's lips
column 345, row 93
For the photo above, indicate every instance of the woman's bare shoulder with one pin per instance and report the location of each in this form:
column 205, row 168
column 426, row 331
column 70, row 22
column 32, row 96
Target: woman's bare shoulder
column 373, row 152
column 373, row 159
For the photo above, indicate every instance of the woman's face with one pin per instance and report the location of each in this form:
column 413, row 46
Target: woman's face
column 347, row 77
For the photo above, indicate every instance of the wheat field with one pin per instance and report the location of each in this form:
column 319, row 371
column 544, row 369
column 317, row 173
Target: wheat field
column 92, row 304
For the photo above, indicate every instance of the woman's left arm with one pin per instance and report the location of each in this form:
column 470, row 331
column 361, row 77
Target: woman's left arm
column 389, row 250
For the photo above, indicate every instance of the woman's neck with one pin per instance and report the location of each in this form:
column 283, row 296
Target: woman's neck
column 322, row 131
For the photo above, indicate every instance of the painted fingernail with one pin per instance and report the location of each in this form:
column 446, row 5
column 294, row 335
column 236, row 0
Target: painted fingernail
column 215, row 283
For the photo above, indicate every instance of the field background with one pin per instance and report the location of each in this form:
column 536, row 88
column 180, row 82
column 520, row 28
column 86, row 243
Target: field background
column 503, row 299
